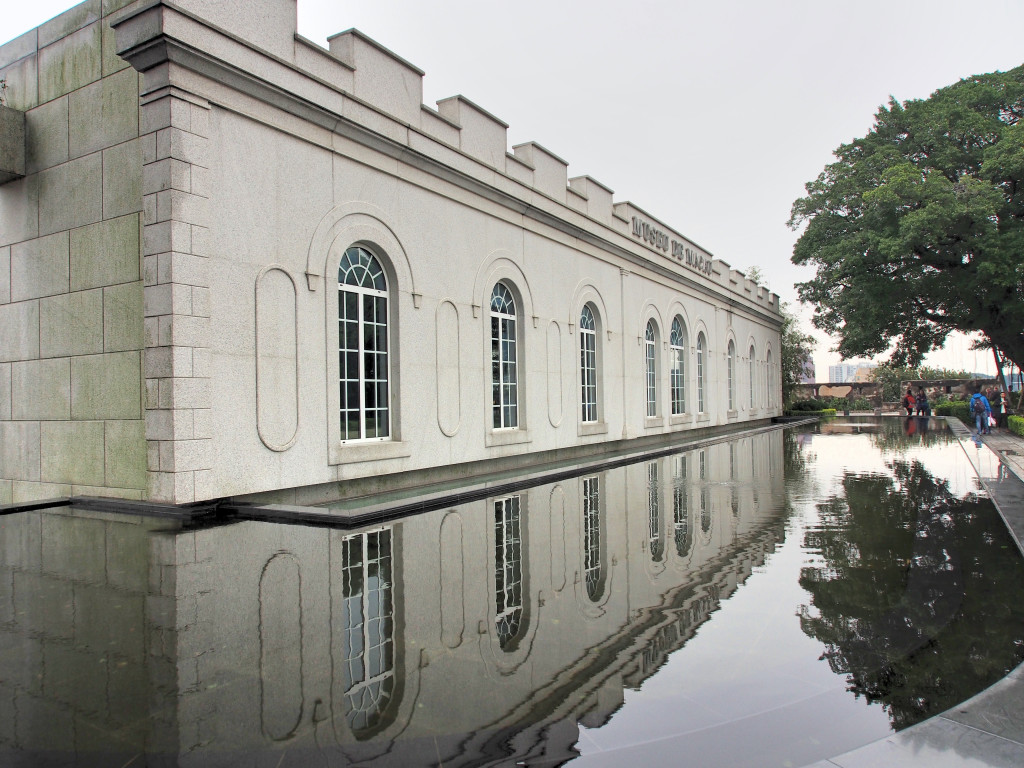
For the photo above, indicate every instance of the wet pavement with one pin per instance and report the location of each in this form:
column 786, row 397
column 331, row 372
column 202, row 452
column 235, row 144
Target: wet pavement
column 988, row 729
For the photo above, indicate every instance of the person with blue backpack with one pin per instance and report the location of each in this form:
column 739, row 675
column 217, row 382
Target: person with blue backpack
column 980, row 408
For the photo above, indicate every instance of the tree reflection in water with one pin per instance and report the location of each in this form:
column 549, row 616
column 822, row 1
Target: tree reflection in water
column 901, row 593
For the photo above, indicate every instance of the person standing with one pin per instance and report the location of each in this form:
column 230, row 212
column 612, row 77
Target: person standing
column 980, row 409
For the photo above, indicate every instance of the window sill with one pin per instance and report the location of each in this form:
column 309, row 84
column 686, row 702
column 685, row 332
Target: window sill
column 703, row 417
column 592, row 428
column 354, row 453
column 499, row 437
column 654, row 422
column 732, row 415
column 681, row 419
column 752, row 411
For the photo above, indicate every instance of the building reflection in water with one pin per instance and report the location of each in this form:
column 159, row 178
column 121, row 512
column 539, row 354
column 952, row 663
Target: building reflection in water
column 593, row 538
column 510, row 617
column 368, row 634
column 492, row 629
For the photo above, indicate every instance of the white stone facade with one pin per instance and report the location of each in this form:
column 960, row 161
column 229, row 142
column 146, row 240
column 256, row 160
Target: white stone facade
column 169, row 295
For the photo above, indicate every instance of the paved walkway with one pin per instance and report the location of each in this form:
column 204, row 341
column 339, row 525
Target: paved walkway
column 987, row 730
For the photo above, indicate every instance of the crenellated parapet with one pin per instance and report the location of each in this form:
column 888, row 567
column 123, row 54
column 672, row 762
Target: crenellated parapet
column 380, row 77
column 550, row 172
column 481, row 134
column 373, row 88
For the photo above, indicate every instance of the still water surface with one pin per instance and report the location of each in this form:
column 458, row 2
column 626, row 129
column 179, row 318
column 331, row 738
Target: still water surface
column 771, row 600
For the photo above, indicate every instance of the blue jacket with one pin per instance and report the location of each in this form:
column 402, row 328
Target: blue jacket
column 984, row 401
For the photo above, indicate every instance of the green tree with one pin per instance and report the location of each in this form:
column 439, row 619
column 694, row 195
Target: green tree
column 917, row 229
column 891, row 377
column 797, row 347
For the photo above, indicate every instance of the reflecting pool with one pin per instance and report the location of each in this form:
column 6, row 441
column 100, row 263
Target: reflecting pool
column 769, row 600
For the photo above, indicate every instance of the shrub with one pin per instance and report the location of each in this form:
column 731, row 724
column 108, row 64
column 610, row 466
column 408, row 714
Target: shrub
column 957, row 408
column 1016, row 424
column 842, row 404
column 826, row 412
column 801, row 406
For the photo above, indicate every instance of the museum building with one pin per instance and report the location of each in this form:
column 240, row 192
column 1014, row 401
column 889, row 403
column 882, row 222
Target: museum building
column 236, row 264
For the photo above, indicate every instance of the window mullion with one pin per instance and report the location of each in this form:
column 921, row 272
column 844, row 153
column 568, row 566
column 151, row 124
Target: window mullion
column 361, row 333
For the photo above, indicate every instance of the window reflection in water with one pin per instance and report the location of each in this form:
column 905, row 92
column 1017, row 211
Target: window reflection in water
column 654, row 512
column 680, row 511
column 593, row 562
column 508, row 572
column 705, row 495
column 369, row 629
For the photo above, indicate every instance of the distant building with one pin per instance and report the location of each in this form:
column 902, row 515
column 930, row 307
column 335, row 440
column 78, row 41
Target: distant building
column 843, row 372
column 848, row 372
column 865, row 373
column 807, row 375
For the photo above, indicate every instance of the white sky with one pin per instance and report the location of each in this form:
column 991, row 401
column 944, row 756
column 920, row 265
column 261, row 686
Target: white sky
column 709, row 115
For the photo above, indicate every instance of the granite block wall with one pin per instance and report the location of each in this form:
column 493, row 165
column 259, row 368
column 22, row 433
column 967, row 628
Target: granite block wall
column 71, row 328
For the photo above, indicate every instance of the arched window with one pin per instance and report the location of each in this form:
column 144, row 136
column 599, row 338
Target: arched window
column 769, row 377
column 588, row 365
column 751, row 376
column 593, row 560
column 730, row 368
column 504, row 356
column 677, row 379
column 369, row 630
column 651, row 368
column 700, row 373
column 363, row 346
column 509, row 593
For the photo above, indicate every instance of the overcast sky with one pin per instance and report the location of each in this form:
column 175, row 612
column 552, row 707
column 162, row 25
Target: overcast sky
column 711, row 116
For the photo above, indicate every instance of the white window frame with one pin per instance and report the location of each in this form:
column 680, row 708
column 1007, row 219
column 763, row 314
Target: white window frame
column 701, row 371
column 677, row 375
column 730, row 369
column 365, row 281
column 588, row 366
column 751, row 368
column 651, row 368
column 504, row 325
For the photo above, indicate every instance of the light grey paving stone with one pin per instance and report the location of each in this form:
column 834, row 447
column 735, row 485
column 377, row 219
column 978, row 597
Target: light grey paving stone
column 996, row 710
column 936, row 743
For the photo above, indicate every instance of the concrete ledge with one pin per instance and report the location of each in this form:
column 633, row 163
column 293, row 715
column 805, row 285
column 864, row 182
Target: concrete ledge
column 362, row 490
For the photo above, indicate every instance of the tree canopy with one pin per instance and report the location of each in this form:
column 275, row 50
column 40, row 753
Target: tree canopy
column 917, row 229
column 892, row 377
column 796, row 350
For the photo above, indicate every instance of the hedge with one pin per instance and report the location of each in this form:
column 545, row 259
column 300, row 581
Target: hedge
column 1016, row 424
column 957, row 408
column 822, row 412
